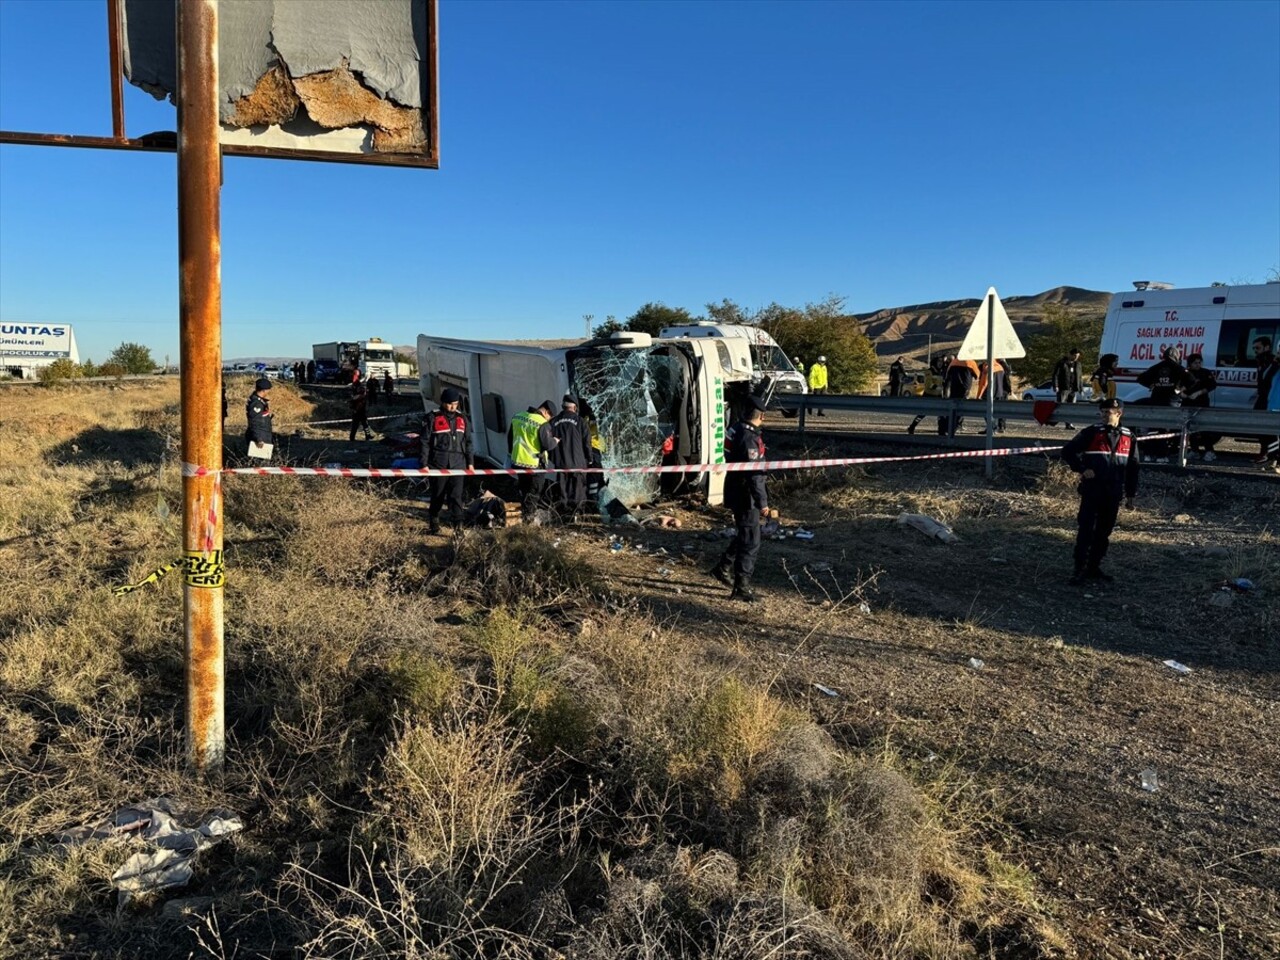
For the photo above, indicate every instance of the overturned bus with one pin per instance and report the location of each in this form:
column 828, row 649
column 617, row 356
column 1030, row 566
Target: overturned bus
column 642, row 394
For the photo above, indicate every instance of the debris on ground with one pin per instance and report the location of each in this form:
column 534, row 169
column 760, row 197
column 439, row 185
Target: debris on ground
column 827, row 690
column 976, row 663
column 803, row 534
column 173, row 847
column 1150, row 780
column 1177, row 667
column 928, row 526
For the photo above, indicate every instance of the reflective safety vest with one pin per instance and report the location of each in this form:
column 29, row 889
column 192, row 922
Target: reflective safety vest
column 526, row 447
column 818, row 376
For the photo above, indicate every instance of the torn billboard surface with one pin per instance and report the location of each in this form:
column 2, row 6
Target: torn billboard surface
column 297, row 68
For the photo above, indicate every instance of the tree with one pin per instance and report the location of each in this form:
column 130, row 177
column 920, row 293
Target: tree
column 824, row 329
column 610, row 326
column 61, row 369
column 133, row 357
column 408, row 359
column 89, row 369
column 652, row 317
column 1060, row 331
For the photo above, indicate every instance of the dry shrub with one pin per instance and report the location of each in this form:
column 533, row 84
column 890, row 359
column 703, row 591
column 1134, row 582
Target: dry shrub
column 514, row 567
column 671, row 903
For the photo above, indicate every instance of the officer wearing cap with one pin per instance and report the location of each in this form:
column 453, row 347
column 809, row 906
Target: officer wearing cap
column 446, row 445
column 257, row 411
column 745, row 495
column 572, row 452
column 1106, row 457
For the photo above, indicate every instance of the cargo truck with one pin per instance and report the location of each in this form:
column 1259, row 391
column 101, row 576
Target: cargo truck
column 372, row 357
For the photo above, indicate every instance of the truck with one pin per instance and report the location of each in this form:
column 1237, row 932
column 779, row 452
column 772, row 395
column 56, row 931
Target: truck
column 1219, row 322
column 653, row 401
column 768, row 360
column 372, row 357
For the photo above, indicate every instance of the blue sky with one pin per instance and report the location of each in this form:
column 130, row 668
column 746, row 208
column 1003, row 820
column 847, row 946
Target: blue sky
column 599, row 155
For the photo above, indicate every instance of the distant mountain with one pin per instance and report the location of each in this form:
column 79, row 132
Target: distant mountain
column 905, row 330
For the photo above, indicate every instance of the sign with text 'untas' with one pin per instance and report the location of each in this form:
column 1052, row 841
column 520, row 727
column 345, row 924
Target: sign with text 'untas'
column 1006, row 342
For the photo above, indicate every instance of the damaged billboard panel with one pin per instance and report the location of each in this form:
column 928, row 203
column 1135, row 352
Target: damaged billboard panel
column 338, row 80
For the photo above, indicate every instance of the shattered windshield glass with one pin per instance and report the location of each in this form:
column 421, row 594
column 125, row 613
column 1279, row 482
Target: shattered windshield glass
column 634, row 395
column 769, row 357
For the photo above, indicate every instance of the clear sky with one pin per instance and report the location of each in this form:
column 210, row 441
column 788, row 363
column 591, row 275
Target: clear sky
column 599, row 155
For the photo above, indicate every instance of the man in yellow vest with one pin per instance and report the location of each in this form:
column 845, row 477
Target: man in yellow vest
column 818, row 380
column 529, row 440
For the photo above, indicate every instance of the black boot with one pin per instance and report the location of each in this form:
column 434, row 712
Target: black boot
column 1094, row 573
column 742, row 590
column 435, row 526
column 721, row 572
column 1078, row 578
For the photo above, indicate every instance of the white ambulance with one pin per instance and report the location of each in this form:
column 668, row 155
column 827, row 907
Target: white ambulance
column 1219, row 322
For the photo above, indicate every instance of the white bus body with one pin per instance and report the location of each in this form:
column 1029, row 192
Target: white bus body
column 639, row 391
column 1219, row 322
column 767, row 358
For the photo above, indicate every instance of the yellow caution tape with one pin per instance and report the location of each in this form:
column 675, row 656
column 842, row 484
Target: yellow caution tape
column 199, row 570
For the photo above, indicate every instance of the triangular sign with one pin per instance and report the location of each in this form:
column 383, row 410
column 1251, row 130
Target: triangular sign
column 1006, row 341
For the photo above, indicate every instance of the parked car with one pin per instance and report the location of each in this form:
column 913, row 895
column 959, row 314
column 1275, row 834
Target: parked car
column 913, row 387
column 1045, row 391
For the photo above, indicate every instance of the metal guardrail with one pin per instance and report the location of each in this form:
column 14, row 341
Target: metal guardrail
column 1180, row 419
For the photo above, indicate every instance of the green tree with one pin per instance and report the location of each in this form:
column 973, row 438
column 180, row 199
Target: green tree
column 110, row 369
column 1060, row 330
column 610, row 326
column 824, row 329
column 652, row 317
column 89, row 369
column 61, row 369
column 134, row 357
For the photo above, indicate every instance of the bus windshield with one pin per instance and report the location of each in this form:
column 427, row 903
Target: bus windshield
column 769, row 357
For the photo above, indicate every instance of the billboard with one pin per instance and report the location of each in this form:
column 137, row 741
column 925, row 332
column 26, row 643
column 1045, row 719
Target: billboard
column 340, row 80
column 38, row 341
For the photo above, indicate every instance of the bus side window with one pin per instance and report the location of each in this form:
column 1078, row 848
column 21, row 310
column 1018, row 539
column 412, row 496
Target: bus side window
column 1233, row 344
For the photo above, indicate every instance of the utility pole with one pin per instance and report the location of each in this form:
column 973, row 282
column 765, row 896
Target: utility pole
column 200, row 318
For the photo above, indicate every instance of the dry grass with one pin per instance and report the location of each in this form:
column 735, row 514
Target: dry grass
column 468, row 750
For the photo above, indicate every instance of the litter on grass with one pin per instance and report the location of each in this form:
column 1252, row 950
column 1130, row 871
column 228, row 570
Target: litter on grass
column 172, row 848
column 827, row 690
column 1177, row 667
column 976, row 663
column 928, row 526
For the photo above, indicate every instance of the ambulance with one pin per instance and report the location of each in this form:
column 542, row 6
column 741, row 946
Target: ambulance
column 1219, row 322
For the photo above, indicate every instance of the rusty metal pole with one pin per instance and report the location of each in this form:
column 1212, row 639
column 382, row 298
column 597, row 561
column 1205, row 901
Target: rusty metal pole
column 200, row 311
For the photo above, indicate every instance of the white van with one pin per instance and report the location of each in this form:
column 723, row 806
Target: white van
column 1219, row 322
column 767, row 358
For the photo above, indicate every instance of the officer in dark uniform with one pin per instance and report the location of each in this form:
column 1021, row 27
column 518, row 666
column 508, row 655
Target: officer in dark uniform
column 1106, row 457
column 257, row 411
column 744, row 494
column 446, row 445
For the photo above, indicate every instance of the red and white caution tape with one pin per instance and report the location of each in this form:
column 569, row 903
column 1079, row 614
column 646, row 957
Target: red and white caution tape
column 192, row 470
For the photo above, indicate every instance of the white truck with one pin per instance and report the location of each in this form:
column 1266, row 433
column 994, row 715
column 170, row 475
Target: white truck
column 768, row 360
column 643, row 394
column 1219, row 322
column 372, row 357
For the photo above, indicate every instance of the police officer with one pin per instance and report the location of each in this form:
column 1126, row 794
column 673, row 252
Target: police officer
column 257, row 411
column 530, row 440
column 1106, row 457
column 818, row 381
column 572, row 451
column 359, row 401
column 745, row 495
column 446, row 445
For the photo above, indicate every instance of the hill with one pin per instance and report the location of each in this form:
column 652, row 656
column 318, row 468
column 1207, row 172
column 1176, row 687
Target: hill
column 906, row 331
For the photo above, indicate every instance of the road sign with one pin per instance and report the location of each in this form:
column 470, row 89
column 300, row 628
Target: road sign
column 1004, row 341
